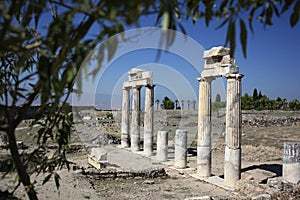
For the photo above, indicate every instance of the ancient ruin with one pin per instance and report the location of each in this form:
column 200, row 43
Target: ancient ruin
column 97, row 158
column 180, row 157
column 137, row 79
column 291, row 162
column 162, row 146
column 218, row 63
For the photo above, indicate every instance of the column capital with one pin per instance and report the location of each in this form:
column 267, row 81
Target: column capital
column 234, row 76
column 126, row 88
column 137, row 87
column 150, row 86
column 206, row 79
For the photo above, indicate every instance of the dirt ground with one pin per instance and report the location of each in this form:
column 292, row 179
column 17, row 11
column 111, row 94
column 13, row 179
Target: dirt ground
column 261, row 160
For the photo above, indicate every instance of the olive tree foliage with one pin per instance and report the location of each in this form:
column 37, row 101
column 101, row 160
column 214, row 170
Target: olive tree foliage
column 43, row 44
column 239, row 15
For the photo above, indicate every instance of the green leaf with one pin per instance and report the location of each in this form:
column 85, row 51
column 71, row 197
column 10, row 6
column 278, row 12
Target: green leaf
column 46, row 179
column 243, row 37
column 112, row 46
column 182, row 29
column 227, row 35
column 250, row 19
column 166, row 20
column 222, row 24
column 56, row 179
column 287, row 5
column 232, row 39
column 195, row 15
column 295, row 15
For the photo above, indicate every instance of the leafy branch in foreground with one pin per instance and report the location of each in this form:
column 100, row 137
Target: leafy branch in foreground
column 232, row 13
column 44, row 43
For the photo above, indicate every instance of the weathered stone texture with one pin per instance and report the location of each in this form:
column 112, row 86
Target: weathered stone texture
column 291, row 162
column 162, row 145
column 180, row 158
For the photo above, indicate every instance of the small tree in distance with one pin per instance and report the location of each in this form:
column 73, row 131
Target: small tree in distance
column 167, row 104
column 218, row 104
column 218, row 98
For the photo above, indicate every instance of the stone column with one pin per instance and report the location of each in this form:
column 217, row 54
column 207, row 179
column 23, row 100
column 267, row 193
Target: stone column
column 125, row 118
column 291, row 162
column 204, row 128
column 148, row 120
column 232, row 167
column 180, row 158
column 162, row 145
column 135, row 121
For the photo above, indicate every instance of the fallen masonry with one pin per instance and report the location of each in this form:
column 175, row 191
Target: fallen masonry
column 97, row 158
column 113, row 174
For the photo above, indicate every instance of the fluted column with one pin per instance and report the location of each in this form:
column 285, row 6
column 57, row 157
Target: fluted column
column 204, row 128
column 148, row 120
column 135, row 121
column 291, row 162
column 232, row 167
column 125, row 118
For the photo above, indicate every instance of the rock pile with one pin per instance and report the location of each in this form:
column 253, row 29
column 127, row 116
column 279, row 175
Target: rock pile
column 276, row 188
column 113, row 173
column 271, row 121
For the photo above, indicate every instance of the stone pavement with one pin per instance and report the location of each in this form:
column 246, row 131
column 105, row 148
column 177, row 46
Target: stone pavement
column 124, row 159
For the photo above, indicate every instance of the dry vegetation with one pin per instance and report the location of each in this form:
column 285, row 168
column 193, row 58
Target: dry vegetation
column 261, row 157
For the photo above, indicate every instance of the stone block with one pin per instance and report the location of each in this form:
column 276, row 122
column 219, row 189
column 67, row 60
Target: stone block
column 199, row 198
column 216, row 51
column 219, row 71
column 262, row 197
column 99, row 154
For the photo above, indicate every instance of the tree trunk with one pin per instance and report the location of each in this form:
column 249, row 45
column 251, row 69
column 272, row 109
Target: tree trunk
column 23, row 175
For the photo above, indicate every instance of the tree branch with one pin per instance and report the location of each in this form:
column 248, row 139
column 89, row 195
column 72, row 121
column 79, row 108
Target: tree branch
column 25, row 107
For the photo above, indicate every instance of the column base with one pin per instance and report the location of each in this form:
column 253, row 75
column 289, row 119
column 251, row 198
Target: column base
column 232, row 166
column 135, row 143
column 291, row 172
column 148, row 153
column 124, row 140
column 204, row 161
column 148, row 144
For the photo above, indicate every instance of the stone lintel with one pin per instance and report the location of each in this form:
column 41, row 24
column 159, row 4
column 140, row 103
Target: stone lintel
column 138, row 83
column 216, row 51
column 137, row 74
column 220, row 71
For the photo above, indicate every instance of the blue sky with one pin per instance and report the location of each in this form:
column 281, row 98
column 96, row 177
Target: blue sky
column 272, row 64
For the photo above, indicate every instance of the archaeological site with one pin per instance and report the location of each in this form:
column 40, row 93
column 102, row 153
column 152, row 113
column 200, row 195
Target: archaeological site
column 145, row 152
